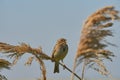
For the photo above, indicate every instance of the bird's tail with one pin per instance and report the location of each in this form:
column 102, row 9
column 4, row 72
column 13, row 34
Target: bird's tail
column 56, row 67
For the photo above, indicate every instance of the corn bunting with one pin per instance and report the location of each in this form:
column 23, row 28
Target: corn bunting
column 59, row 52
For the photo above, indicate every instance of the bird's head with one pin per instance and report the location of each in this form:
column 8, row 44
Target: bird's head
column 61, row 40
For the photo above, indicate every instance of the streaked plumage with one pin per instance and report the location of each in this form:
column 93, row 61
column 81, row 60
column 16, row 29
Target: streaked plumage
column 59, row 52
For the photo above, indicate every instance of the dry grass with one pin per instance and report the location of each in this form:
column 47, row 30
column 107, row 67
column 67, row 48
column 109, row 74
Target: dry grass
column 17, row 51
column 4, row 64
column 91, row 49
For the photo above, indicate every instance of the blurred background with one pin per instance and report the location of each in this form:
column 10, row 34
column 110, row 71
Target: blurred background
column 41, row 23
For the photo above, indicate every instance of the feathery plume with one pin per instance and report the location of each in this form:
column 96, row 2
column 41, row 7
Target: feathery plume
column 17, row 51
column 91, row 49
column 4, row 64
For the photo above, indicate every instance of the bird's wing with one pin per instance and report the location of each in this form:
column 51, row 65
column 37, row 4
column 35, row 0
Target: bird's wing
column 65, row 48
column 54, row 49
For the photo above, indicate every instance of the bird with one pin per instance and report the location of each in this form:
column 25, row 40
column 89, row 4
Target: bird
column 59, row 52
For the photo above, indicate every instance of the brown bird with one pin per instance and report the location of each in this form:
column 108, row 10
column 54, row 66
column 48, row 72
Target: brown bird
column 59, row 52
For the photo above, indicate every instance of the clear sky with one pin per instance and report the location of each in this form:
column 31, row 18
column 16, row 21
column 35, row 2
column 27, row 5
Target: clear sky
column 42, row 22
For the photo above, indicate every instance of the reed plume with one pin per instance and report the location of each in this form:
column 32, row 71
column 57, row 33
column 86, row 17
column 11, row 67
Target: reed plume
column 4, row 64
column 17, row 51
column 92, row 46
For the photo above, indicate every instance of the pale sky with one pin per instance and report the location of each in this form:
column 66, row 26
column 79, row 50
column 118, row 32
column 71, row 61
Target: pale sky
column 42, row 22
